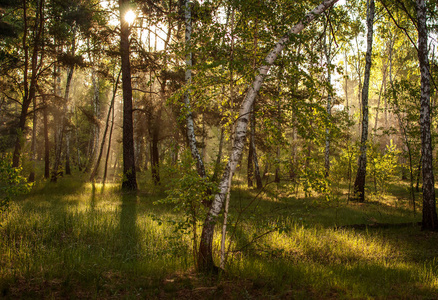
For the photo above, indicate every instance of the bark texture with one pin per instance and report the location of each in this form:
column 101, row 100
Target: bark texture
column 429, row 221
column 359, row 183
column 205, row 254
column 129, row 174
column 188, row 77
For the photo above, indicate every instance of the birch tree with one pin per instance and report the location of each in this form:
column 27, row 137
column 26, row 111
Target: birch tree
column 188, row 77
column 359, row 183
column 205, row 253
column 430, row 221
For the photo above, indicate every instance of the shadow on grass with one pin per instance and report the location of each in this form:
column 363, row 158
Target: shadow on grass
column 128, row 231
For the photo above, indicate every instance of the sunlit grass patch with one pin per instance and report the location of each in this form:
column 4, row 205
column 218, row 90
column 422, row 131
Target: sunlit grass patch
column 93, row 241
column 86, row 235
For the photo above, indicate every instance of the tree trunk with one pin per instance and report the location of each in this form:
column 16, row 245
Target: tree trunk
column 68, row 114
column 430, row 221
column 33, row 145
column 59, row 125
column 328, row 57
column 102, row 145
column 155, row 158
column 250, row 168
column 217, row 165
column 205, row 254
column 29, row 91
column 257, row 175
column 46, row 142
column 109, row 146
column 188, row 77
column 417, row 187
column 129, row 176
column 359, row 183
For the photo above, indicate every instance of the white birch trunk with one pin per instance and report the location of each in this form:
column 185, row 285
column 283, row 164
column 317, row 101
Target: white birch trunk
column 429, row 221
column 359, row 184
column 205, row 259
column 188, row 77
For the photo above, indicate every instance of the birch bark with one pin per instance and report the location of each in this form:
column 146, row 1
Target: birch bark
column 430, row 221
column 205, row 255
column 359, row 183
column 188, row 77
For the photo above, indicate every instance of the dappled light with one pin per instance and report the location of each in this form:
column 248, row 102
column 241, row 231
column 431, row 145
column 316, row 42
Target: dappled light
column 192, row 149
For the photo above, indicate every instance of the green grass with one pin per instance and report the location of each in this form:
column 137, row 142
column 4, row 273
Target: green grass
column 77, row 240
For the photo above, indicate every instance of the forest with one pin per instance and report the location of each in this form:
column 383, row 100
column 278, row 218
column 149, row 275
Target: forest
column 218, row 149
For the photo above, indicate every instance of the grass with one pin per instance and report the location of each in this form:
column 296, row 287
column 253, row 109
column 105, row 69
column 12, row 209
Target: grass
column 77, row 240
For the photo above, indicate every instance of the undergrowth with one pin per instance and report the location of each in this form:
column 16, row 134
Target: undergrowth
column 77, row 240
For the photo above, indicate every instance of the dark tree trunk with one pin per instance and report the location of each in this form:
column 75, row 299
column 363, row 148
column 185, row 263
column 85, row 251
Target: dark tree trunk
column 46, row 142
column 359, row 183
column 67, row 111
column 105, row 172
column 59, row 125
column 430, row 221
column 129, row 175
column 417, row 187
column 155, row 158
column 217, row 165
column 250, row 168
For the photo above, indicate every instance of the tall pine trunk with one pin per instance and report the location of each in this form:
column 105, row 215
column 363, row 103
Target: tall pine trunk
column 359, row 183
column 205, row 253
column 429, row 221
column 129, row 181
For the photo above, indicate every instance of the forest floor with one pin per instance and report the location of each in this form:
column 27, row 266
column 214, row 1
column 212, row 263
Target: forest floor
column 75, row 240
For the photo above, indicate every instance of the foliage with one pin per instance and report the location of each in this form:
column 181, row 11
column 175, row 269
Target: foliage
column 189, row 194
column 11, row 182
column 383, row 166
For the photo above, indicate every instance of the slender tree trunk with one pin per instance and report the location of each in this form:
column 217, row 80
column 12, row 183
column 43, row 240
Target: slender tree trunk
column 205, row 253
column 78, row 151
column 109, row 146
column 188, row 77
column 252, row 156
column 346, row 81
column 217, row 165
column 46, row 141
column 155, row 156
column 29, row 91
column 68, row 113
column 417, row 187
column 33, row 145
column 129, row 175
column 102, row 145
column 250, row 168
column 59, row 124
column 328, row 57
column 430, row 221
column 359, row 183
column 380, row 97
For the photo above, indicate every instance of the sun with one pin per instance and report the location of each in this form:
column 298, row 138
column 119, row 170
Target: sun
column 130, row 17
